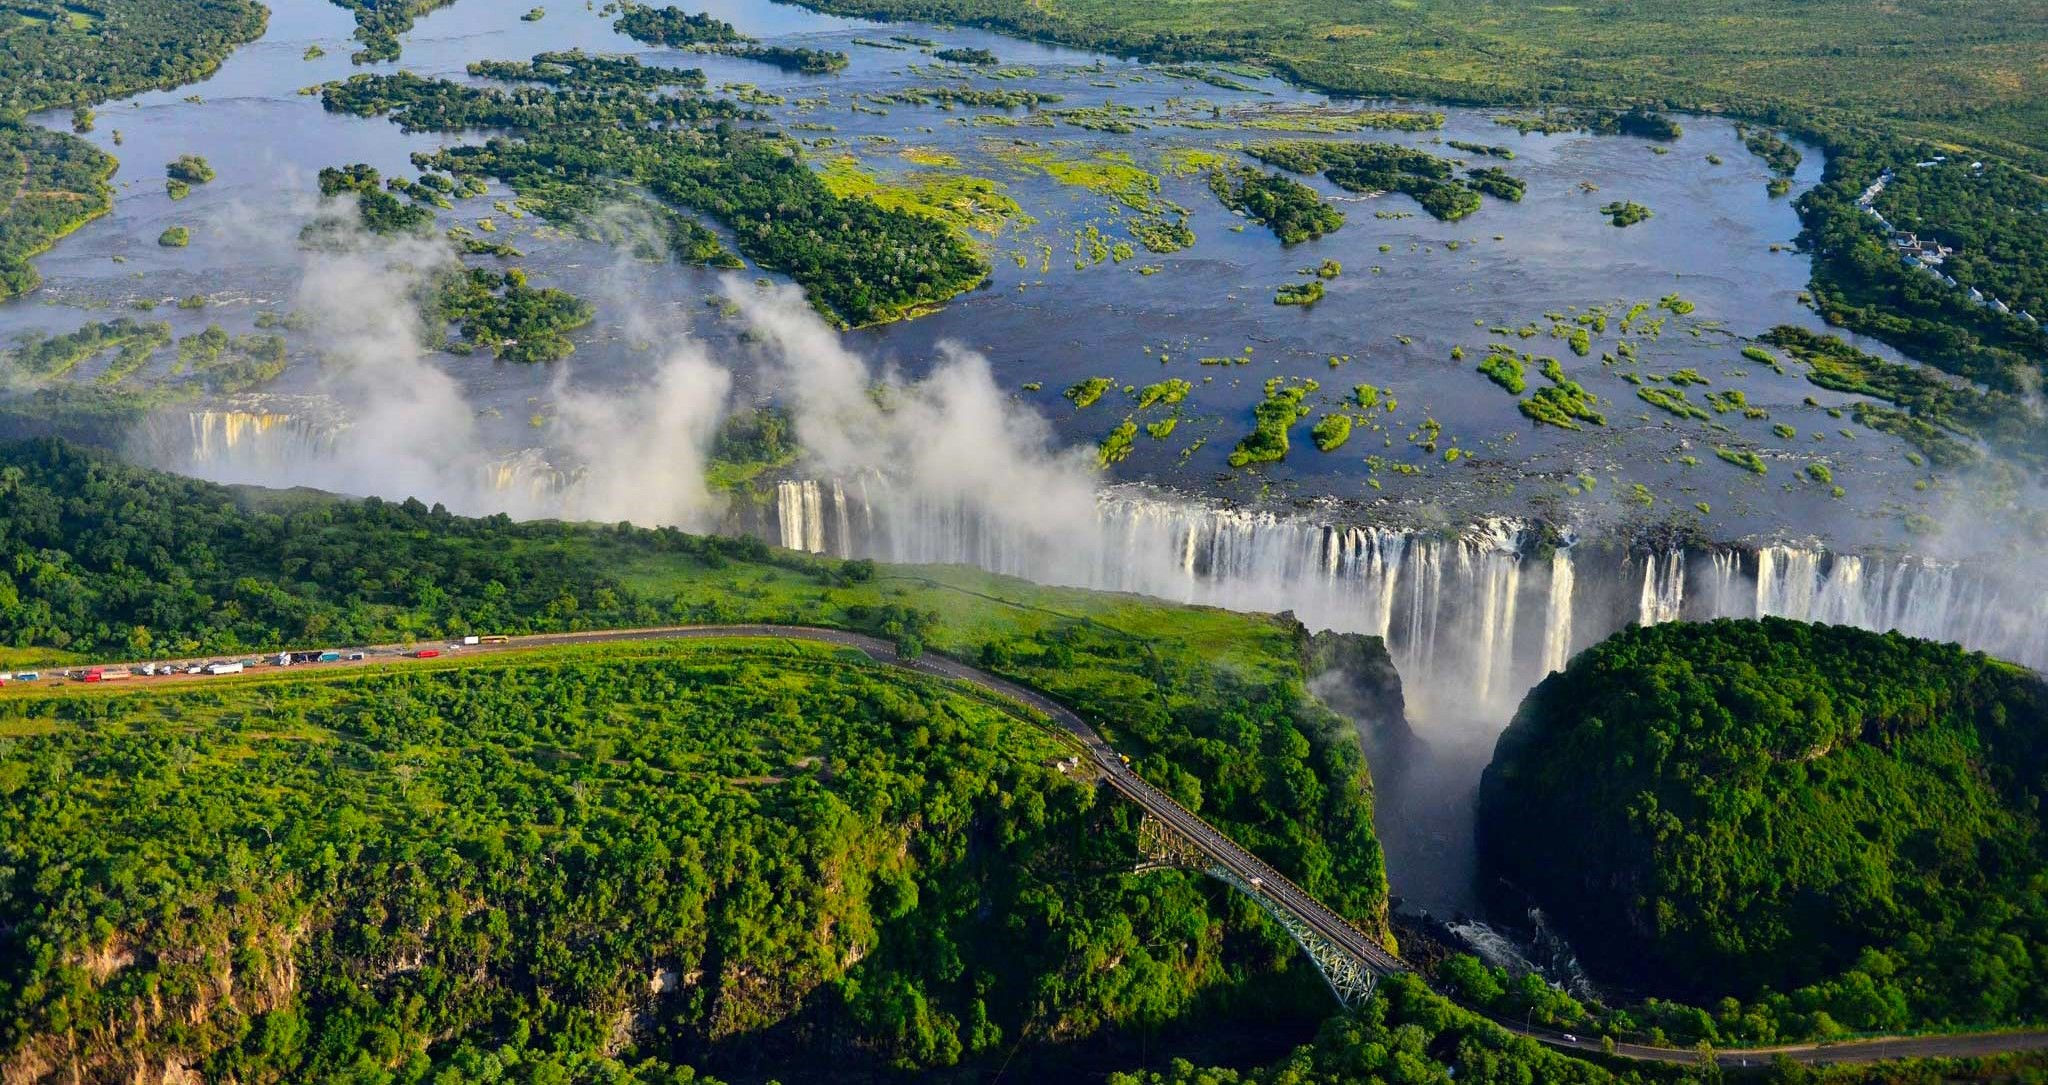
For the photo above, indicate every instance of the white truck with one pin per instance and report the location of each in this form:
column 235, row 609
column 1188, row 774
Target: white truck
column 224, row 668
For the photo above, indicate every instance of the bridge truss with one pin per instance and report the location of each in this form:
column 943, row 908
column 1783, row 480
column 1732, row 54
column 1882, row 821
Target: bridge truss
column 1349, row 979
column 1162, row 848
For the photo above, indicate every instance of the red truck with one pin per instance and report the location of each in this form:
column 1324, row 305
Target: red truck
column 426, row 653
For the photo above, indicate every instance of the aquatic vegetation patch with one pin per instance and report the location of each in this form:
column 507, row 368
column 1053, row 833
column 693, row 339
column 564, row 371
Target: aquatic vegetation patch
column 1377, row 167
column 1170, row 392
column 1292, row 210
column 1331, row 431
column 1673, row 401
column 965, row 203
column 1625, row 212
column 1272, row 418
column 1743, row 458
column 1468, row 147
column 1085, row 393
column 1505, row 367
column 1302, row 294
column 189, row 168
column 1116, row 446
column 501, row 313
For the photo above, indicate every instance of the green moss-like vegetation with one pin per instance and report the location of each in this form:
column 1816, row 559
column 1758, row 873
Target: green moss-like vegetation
column 1170, row 392
column 1503, row 366
column 1848, row 818
column 174, row 237
column 966, row 204
column 1625, row 212
column 1085, row 393
column 1331, row 431
column 1116, row 445
column 573, row 149
column 1378, row 167
column 1743, row 458
column 1303, row 294
column 1673, row 401
column 1564, row 404
column 1273, row 417
column 1292, row 210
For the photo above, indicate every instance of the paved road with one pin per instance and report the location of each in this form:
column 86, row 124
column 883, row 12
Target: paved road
column 1213, row 845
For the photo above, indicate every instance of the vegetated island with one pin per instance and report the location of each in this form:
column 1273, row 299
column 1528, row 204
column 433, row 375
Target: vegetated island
column 1835, row 829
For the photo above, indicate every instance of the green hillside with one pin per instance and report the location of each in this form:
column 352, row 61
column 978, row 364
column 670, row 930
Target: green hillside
column 1848, row 819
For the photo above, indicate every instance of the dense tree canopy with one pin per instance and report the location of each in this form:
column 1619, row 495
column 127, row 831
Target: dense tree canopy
column 1736, row 807
column 745, row 856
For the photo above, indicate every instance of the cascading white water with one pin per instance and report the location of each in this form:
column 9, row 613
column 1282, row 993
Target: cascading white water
column 1557, row 628
column 1663, row 596
column 1451, row 607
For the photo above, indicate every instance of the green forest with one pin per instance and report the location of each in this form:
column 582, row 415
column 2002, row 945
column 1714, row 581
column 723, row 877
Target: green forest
column 1993, row 217
column 1826, row 829
column 51, row 183
column 755, row 856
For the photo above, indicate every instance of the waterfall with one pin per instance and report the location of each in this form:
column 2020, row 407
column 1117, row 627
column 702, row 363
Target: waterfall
column 1557, row 628
column 1663, row 595
column 1462, row 622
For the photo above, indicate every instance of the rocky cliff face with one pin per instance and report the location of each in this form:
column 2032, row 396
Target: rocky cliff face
column 1354, row 675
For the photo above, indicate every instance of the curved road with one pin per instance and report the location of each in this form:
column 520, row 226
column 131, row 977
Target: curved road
column 1214, row 846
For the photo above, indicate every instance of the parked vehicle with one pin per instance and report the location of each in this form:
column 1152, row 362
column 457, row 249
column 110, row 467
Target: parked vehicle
column 225, row 668
column 353, row 656
column 27, row 676
column 330, row 657
column 468, row 641
column 427, row 653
